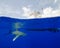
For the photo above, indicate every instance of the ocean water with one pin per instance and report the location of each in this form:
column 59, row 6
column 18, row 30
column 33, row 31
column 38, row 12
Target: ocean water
column 33, row 38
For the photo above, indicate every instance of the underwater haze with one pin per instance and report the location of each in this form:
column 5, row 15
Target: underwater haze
column 34, row 37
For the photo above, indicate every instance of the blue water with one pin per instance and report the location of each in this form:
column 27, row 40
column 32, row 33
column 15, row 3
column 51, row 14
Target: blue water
column 32, row 39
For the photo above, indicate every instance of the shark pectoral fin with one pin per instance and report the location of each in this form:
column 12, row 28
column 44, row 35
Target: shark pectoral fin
column 15, row 37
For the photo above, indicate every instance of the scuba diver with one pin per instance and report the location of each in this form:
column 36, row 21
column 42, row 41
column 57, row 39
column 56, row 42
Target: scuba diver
column 18, row 33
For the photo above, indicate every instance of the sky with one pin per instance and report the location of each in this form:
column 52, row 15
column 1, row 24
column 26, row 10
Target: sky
column 27, row 9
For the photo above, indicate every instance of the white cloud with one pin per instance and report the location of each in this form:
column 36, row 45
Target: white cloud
column 55, row 1
column 47, row 12
column 28, row 13
column 50, row 12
